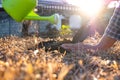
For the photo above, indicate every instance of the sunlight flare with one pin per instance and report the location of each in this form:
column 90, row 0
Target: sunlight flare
column 89, row 7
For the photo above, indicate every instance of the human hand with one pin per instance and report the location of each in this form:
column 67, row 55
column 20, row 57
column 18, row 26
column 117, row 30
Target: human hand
column 77, row 47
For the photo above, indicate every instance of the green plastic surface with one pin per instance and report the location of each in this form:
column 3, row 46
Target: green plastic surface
column 21, row 10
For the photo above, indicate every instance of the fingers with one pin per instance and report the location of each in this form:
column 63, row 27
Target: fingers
column 67, row 46
column 76, row 47
column 72, row 47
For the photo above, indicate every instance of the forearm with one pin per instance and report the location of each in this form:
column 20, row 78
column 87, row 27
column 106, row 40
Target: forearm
column 105, row 43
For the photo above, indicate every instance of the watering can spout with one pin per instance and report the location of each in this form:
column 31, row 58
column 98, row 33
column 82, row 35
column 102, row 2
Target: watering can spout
column 33, row 16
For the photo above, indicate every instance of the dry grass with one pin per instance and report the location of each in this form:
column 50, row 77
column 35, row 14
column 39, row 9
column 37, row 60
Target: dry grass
column 20, row 59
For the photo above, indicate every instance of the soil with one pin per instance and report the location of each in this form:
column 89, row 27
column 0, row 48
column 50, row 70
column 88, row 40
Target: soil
column 34, row 58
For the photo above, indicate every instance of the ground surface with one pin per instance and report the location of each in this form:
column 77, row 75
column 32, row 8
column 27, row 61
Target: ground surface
column 25, row 59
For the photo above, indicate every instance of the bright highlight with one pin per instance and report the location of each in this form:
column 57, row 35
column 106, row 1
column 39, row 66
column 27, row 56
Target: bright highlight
column 89, row 7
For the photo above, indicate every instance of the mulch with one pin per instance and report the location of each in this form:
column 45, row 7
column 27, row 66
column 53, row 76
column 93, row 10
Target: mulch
column 34, row 58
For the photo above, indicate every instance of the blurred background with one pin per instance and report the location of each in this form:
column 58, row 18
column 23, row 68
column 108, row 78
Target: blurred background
column 74, row 14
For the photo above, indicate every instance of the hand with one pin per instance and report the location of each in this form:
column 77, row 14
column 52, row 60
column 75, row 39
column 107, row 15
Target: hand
column 77, row 47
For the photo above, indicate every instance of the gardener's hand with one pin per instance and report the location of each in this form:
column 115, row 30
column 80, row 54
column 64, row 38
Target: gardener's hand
column 77, row 47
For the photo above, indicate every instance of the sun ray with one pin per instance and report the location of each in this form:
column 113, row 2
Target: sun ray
column 89, row 7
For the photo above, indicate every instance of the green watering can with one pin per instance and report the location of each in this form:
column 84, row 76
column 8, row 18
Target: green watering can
column 21, row 10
